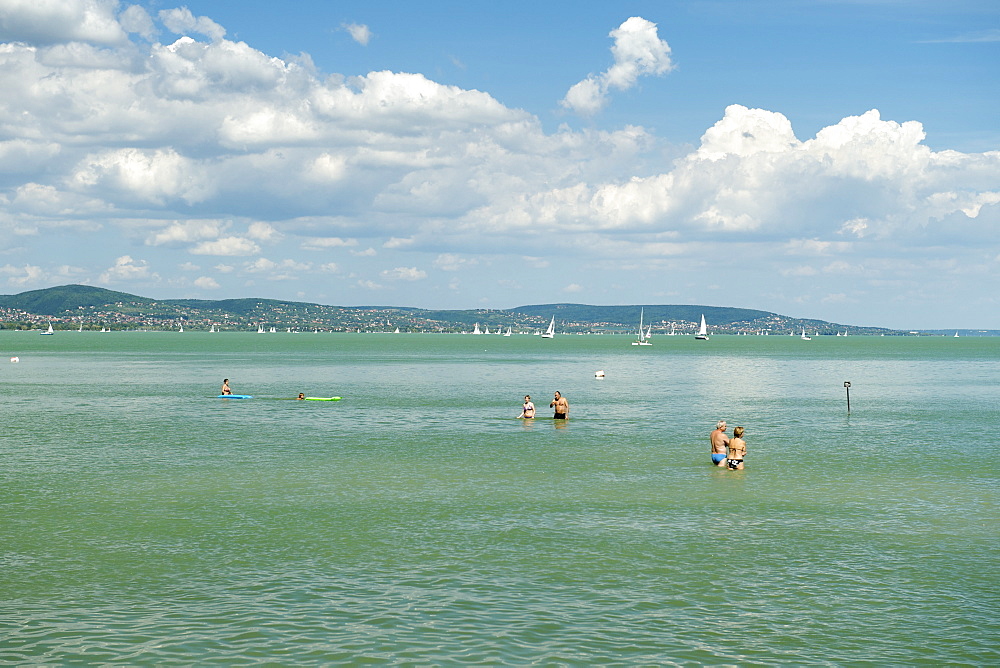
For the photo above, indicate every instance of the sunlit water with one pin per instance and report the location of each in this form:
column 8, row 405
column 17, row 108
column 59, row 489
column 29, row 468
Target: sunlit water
column 143, row 521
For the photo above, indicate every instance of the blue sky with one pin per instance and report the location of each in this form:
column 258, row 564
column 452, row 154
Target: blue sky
column 828, row 159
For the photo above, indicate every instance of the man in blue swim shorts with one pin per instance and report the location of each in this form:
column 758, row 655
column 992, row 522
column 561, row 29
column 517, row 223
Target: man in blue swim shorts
column 719, row 442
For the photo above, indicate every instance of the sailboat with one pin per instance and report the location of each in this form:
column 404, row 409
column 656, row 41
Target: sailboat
column 81, row 327
column 260, row 329
column 48, row 332
column 642, row 338
column 475, row 330
column 212, row 330
column 551, row 331
column 702, row 334
column 181, row 330
column 804, row 337
column 507, row 333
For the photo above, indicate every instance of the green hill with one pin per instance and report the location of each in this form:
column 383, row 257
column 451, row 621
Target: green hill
column 70, row 306
column 629, row 315
column 58, row 300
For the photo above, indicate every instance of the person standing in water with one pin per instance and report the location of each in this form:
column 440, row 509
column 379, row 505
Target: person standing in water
column 225, row 386
column 528, row 410
column 737, row 450
column 561, row 407
column 719, row 441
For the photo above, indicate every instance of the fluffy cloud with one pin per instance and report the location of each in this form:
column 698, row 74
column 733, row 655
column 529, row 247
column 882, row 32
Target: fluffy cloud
column 127, row 270
column 637, row 51
column 752, row 176
column 56, row 21
column 232, row 246
column 22, row 276
column 359, row 33
column 182, row 22
column 404, row 274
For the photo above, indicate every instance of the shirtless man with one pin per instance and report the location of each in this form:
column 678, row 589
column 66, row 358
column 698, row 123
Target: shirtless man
column 561, row 407
column 719, row 442
column 737, row 450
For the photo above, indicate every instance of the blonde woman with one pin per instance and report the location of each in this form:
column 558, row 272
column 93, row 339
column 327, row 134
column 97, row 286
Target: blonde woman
column 737, row 450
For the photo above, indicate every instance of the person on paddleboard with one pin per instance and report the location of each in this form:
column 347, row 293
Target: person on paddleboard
column 225, row 386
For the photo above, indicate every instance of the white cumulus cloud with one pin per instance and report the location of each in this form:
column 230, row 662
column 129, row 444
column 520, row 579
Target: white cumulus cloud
column 182, row 22
column 404, row 274
column 125, row 270
column 360, row 33
column 637, row 50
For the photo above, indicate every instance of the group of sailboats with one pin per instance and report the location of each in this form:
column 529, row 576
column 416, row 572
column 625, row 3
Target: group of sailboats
column 499, row 331
column 645, row 332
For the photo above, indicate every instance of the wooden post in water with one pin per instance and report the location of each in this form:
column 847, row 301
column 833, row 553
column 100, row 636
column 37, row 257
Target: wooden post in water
column 847, row 386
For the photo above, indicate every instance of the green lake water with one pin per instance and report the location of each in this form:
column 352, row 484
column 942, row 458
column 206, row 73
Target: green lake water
column 417, row 521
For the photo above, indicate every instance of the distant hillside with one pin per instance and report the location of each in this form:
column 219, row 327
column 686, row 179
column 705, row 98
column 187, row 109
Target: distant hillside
column 58, row 300
column 73, row 306
column 717, row 315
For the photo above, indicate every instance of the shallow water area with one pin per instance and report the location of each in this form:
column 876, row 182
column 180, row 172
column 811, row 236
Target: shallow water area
column 145, row 521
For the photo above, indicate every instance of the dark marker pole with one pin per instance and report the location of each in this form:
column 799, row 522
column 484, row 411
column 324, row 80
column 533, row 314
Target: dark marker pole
column 847, row 386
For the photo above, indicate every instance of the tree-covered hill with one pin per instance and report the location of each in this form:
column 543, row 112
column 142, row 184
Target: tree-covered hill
column 629, row 315
column 58, row 300
column 72, row 306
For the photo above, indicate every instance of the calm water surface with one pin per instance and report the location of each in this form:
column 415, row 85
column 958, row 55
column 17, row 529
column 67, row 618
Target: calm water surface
column 143, row 521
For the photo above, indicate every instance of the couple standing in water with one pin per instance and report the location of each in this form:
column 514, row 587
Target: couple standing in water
column 558, row 402
column 728, row 452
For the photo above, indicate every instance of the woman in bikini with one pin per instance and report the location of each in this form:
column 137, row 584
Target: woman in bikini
column 737, row 450
column 528, row 410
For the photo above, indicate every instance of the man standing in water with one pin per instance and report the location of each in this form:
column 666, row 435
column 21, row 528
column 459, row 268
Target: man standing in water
column 719, row 442
column 561, row 407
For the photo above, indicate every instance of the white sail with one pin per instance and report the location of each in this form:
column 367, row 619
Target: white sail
column 702, row 334
column 475, row 330
column 551, row 331
column 642, row 338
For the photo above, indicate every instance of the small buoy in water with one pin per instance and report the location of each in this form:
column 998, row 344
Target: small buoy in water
column 15, row 360
column 599, row 374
